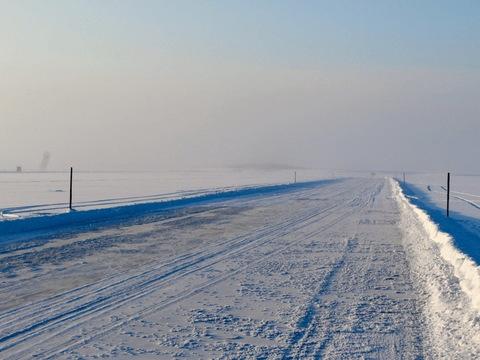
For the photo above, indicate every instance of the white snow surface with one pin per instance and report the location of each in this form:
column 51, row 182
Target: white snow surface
column 30, row 194
column 465, row 192
column 450, row 281
column 348, row 269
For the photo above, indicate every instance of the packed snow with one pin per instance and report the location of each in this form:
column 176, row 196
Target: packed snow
column 341, row 269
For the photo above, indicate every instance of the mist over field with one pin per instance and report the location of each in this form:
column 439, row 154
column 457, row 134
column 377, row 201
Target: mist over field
column 154, row 85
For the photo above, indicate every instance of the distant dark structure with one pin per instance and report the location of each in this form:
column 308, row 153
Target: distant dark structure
column 45, row 161
column 19, row 169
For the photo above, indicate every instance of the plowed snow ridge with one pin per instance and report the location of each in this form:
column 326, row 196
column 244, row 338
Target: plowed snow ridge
column 452, row 281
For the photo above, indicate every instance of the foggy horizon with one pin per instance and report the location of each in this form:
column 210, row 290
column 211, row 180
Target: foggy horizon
column 148, row 86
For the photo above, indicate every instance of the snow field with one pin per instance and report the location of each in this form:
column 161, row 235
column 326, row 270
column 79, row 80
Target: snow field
column 345, row 269
column 38, row 194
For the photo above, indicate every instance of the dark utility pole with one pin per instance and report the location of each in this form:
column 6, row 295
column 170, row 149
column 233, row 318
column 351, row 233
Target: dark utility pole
column 71, row 187
column 448, row 194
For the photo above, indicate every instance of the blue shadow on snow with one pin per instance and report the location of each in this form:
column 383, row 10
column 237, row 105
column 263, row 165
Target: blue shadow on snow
column 465, row 230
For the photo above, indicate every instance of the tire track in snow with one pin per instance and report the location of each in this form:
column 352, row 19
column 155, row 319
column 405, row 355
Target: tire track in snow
column 300, row 343
column 188, row 293
column 128, row 292
column 78, row 293
column 294, row 222
column 303, row 342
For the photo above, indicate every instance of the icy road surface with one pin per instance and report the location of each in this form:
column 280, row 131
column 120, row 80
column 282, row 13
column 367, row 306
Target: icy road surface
column 344, row 270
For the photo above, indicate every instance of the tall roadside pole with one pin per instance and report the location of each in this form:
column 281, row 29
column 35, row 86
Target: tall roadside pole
column 448, row 194
column 71, row 187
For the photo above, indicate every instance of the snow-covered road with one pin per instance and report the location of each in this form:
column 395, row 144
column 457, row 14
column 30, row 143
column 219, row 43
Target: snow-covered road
column 327, row 271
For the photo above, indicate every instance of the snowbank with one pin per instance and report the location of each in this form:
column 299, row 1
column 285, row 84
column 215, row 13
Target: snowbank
column 449, row 279
column 464, row 267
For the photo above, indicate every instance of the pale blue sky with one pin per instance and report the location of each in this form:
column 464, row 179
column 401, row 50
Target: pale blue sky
column 317, row 83
column 297, row 33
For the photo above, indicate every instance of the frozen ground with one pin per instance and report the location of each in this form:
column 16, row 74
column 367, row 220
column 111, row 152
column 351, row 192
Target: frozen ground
column 343, row 270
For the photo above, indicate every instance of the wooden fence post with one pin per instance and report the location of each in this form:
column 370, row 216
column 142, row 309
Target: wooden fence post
column 71, row 187
column 448, row 194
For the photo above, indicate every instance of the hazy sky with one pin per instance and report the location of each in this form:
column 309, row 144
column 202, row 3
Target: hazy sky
column 160, row 84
